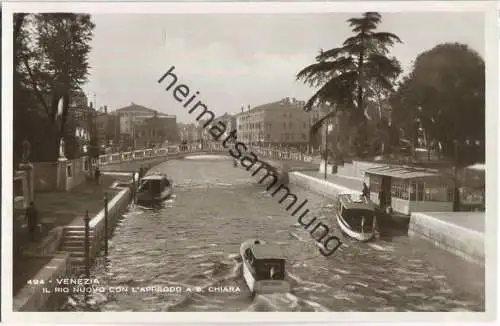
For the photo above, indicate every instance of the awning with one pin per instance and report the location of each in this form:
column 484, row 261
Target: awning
column 403, row 172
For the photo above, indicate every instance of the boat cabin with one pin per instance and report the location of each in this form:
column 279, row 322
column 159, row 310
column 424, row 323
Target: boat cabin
column 355, row 208
column 267, row 262
column 154, row 183
column 407, row 189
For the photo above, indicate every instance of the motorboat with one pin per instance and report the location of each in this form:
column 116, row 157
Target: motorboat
column 357, row 216
column 264, row 267
column 153, row 189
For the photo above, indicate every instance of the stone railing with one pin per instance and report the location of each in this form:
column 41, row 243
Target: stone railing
column 137, row 155
column 173, row 151
column 280, row 154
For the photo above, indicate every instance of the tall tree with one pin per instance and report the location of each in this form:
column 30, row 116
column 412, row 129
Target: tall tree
column 345, row 74
column 53, row 53
column 445, row 92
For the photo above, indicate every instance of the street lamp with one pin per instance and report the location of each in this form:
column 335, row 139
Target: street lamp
column 328, row 128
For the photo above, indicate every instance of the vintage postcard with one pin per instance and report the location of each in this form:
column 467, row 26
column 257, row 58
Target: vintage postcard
column 249, row 158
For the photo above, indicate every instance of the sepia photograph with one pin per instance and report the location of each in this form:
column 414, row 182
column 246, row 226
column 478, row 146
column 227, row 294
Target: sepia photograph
column 323, row 161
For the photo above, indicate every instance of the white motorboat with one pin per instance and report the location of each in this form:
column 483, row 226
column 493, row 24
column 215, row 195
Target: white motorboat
column 153, row 189
column 356, row 217
column 264, row 267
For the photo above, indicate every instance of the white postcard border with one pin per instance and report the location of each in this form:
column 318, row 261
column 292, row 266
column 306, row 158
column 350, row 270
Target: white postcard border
column 492, row 122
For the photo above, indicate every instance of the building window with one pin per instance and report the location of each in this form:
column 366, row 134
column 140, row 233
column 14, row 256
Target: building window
column 437, row 192
column 420, row 191
column 375, row 184
column 69, row 169
column 304, row 137
column 399, row 189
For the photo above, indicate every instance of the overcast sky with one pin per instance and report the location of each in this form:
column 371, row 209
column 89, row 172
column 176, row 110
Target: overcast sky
column 241, row 59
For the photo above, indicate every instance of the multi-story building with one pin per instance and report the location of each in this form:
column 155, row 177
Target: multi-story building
column 154, row 132
column 279, row 123
column 108, row 128
column 132, row 118
column 229, row 122
column 80, row 122
column 190, row 133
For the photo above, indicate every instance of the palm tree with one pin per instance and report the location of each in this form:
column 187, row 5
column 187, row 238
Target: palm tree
column 345, row 74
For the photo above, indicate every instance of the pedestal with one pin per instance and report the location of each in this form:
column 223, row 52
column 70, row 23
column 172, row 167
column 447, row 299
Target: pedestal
column 329, row 168
column 62, row 173
column 30, row 175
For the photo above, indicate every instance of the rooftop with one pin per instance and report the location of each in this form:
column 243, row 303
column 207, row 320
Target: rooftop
column 286, row 102
column 403, row 172
column 134, row 107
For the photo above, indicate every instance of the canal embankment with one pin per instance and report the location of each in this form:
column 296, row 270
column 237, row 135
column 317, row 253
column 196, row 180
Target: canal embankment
column 458, row 236
column 460, row 233
column 60, row 252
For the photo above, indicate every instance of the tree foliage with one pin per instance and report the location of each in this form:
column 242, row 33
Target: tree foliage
column 349, row 76
column 445, row 94
column 51, row 61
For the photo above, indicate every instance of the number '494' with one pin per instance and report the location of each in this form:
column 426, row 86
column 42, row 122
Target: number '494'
column 35, row 282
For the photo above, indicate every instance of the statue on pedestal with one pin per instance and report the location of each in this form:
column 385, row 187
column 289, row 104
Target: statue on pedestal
column 26, row 150
column 61, row 148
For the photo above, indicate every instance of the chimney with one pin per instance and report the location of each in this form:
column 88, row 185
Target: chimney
column 242, row 108
column 106, row 109
column 248, row 107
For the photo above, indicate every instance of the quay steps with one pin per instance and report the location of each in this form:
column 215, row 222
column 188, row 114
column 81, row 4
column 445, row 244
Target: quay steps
column 73, row 241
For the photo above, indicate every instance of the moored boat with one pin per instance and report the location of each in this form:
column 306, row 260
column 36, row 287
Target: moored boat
column 264, row 267
column 153, row 189
column 356, row 216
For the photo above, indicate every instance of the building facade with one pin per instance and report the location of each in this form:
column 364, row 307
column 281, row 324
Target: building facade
column 155, row 132
column 229, row 122
column 281, row 123
column 134, row 120
column 190, row 133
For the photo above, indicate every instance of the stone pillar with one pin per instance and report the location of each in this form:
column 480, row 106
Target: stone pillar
column 62, row 173
column 30, row 180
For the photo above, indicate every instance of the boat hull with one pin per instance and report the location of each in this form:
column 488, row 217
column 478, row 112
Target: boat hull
column 260, row 286
column 360, row 236
column 146, row 198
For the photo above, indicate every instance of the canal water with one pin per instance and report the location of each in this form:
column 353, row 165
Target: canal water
column 193, row 239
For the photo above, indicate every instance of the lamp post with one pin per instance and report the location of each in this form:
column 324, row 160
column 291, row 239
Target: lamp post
column 328, row 128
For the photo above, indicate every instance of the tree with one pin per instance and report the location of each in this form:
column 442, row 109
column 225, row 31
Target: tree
column 345, row 75
column 445, row 93
column 51, row 52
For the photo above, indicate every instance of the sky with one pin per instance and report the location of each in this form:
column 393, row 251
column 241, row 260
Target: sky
column 241, row 59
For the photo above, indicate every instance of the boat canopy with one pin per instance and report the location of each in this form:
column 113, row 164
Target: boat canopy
column 265, row 251
column 155, row 177
column 350, row 201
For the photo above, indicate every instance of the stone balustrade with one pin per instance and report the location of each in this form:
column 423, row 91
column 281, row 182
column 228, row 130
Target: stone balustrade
column 142, row 154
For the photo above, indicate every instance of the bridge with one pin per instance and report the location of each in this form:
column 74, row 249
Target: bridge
column 127, row 161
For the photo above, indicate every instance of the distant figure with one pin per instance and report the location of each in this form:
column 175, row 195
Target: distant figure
column 97, row 174
column 141, row 173
column 32, row 220
column 235, row 163
column 366, row 191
